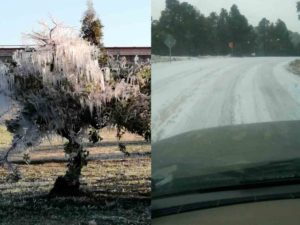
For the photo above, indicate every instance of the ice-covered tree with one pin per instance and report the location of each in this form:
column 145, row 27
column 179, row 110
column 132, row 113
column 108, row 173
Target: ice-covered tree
column 62, row 90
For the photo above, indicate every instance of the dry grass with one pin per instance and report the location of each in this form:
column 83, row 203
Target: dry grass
column 294, row 67
column 117, row 190
column 108, row 135
column 112, row 178
column 98, row 152
column 5, row 137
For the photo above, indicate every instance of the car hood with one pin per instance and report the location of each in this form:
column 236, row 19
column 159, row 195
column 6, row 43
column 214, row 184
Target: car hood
column 224, row 156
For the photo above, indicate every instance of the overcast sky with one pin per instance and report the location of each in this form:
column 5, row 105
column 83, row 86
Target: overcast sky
column 254, row 10
column 126, row 22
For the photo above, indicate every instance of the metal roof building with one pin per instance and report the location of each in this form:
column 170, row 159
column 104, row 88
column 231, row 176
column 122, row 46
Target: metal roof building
column 6, row 51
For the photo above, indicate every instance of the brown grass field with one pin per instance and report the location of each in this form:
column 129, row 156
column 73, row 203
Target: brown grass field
column 117, row 188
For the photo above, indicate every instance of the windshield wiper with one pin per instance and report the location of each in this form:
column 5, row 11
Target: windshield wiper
column 256, row 182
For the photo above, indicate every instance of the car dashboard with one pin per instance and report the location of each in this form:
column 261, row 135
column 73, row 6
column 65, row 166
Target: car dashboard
column 276, row 212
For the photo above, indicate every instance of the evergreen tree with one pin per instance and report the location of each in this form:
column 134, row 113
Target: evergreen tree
column 274, row 39
column 240, row 31
column 283, row 42
column 171, row 4
column 223, row 33
column 157, row 41
column 196, row 34
column 212, row 24
column 91, row 29
column 262, row 36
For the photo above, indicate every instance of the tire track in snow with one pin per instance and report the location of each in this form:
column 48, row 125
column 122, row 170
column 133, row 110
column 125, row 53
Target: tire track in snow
column 281, row 104
column 250, row 106
column 226, row 92
column 181, row 104
column 216, row 108
column 168, row 113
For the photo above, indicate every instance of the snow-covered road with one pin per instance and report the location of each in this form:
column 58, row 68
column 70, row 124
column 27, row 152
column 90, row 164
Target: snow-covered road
column 219, row 91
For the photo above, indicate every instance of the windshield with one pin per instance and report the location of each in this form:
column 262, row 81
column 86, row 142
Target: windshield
column 238, row 155
column 225, row 97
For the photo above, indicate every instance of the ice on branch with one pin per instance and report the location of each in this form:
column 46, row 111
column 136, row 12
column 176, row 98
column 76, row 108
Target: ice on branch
column 58, row 81
column 61, row 56
column 4, row 78
column 62, row 90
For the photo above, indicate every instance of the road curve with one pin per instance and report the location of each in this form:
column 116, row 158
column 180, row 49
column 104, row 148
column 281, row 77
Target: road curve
column 220, row 91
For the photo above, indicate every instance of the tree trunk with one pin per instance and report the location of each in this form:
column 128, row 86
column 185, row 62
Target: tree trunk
column 68, row 185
